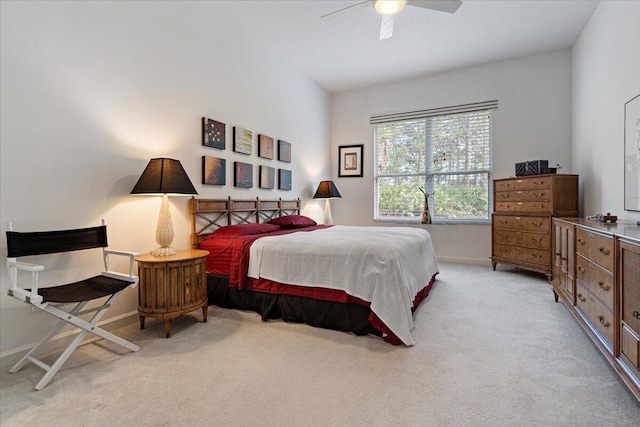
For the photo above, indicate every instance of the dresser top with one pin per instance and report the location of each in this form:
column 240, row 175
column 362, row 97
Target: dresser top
column 537, row 176
column 629, row 231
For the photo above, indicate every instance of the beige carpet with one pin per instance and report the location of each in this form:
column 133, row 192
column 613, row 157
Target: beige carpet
column 493, row 349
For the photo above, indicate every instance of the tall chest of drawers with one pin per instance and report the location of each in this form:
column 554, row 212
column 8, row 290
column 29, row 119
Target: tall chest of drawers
column 521, row 228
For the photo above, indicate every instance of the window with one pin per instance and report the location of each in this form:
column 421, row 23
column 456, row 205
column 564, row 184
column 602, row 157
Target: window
column 446, row 152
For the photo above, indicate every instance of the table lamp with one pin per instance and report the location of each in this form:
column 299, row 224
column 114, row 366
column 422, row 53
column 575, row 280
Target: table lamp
column 327, row 190
column 164, row 177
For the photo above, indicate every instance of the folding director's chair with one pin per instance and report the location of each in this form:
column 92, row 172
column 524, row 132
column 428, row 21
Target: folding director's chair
column 107, row 284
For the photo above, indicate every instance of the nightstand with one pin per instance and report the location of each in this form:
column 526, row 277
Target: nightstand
column 171, row 286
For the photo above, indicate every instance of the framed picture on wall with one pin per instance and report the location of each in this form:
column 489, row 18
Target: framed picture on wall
column 284, row 151
column 242, row 140
column 265, row 147
column 632, row 154
column 213, row 133
column 284, row 179
column 243, row 175
column 350, row 161
column 267, row 177
column 214, row 170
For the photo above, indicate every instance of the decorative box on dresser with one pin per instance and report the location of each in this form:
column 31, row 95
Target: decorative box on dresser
column 521, row 229
column 605, row 295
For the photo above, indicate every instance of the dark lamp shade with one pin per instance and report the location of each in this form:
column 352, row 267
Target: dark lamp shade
column 164, row 176
column 326, row 190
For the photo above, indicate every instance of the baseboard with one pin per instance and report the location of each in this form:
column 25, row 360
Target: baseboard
column 61, row 341
column 471, row 261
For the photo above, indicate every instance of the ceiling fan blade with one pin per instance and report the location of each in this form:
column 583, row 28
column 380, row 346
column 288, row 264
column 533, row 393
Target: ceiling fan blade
column 345, row 9
column 449, row 6
column 386, row 27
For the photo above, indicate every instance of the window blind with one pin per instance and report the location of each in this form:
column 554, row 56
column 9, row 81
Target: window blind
column 421, row 114
column 448, row 154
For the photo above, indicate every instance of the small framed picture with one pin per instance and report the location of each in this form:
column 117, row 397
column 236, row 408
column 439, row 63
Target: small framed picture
column 267, row 177
column 243, row 175
column 350, row 161
column 213, row 133
column 284, row 179
column 284, row 151
column 242, row 140
column 214, row 170
column 265, row 147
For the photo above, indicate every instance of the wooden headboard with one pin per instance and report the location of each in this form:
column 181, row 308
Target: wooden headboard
column 207, row 215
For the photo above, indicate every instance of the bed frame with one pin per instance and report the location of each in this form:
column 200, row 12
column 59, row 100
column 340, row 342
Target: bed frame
column 207, row 215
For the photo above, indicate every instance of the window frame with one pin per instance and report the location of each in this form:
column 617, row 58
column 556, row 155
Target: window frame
column 430, row 175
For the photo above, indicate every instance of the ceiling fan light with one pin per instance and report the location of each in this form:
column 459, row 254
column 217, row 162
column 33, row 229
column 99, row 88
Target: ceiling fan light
column 389, row 7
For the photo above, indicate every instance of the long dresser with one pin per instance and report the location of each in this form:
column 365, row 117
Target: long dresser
column 596, row 273
column 521, row 228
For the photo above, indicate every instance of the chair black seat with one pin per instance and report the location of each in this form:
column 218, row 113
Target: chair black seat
column 85, row 290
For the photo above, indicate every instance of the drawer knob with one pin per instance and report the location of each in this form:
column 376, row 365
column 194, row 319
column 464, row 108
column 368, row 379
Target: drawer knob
column 538, row 183
column 538, row 195
column 604, row 322
column 604, row 251
column 581, row 241
column 504, row 196
column 581, row 298
column 581, row 269
column 636, row 314
column 536, row 224
column 603, row 286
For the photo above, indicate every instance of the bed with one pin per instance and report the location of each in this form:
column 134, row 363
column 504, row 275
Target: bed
column 266, row 257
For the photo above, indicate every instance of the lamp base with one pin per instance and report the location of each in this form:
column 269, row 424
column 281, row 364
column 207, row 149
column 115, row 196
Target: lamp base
column 163, row 251
column 328, row 218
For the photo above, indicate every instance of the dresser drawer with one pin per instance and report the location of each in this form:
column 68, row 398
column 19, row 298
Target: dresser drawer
column 538, row 224
column 533, row 183
column 599, row 316
column 542, row 207
column 597, row 280
column 601, row 250
column 528, row 255
column 523, row 196
column 595, row 247
column 519, row 238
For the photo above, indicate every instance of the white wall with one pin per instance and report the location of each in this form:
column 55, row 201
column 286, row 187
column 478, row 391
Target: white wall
column 606, row 75
column 532, row 122
column 90, row 91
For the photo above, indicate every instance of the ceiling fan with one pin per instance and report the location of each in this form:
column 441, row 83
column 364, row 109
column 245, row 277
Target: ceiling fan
column 388, row 8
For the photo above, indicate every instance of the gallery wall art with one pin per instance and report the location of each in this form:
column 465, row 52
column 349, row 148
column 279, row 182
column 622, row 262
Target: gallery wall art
column 214, row 170
column 265, row 147
column 213, row 133
column 242, row 140
column 284, row 151
column 267, row 177
column 243, row 175
column 284, row 179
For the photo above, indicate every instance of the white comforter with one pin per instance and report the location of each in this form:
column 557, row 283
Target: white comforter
column 386, row 266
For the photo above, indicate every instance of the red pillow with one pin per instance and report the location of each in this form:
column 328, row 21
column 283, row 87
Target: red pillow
column 293, row 221
column 242, row 230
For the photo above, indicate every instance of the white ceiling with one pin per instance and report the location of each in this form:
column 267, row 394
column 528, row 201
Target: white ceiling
column 345, row 53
